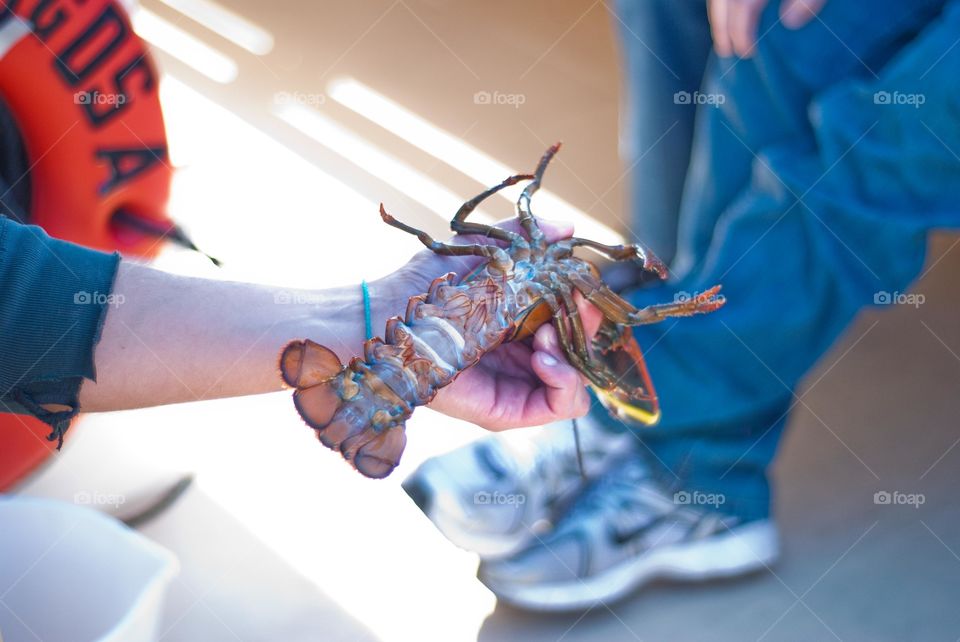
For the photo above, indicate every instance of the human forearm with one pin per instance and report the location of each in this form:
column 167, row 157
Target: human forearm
column 170, row 339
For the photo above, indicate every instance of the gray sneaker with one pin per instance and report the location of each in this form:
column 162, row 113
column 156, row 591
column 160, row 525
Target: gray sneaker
column 623, row 532
column 495, row 496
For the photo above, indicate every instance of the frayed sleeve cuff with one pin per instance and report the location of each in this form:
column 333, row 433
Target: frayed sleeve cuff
column 55, row 297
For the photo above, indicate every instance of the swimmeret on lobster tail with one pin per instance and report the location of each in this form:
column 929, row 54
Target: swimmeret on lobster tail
column 361, row 409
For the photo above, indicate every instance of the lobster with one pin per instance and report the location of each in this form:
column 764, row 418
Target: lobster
column 361, row 409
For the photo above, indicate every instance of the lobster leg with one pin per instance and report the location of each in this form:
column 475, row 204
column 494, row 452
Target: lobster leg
column 571, row 353
column 598, row 371
column 708, row 301
column 609, row 339
column 631, row 252
column 613, row 307
column 524, row 212
column 576, row 323
column 620, row 311
column 498, row 256
column 460, row 225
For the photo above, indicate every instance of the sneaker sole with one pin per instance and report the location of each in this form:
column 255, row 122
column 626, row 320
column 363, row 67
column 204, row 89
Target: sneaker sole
column 740, row 551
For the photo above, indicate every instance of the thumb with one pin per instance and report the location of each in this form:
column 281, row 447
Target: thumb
column 564, row 389
column 564, row 392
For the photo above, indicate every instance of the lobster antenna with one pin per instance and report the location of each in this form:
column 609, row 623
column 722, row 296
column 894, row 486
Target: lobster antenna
column 527, row 221
column 576, row 441
column 534, row 185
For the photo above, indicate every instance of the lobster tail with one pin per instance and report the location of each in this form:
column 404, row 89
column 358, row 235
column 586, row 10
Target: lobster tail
column 317, row 404
column 378, row 457
column 374, row 451
column 331, row 402
column 305, row 363
column 312, row 369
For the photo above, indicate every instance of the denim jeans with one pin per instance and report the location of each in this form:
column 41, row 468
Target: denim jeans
column 804, row 180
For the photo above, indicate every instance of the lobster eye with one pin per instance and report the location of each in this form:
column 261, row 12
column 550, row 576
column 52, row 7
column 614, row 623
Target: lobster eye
column 593, row 269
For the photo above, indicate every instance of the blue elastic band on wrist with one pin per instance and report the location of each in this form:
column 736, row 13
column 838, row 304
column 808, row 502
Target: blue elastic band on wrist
column 367, row 321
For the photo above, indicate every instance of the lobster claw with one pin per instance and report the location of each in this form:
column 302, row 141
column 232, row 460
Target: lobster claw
column 633, row 398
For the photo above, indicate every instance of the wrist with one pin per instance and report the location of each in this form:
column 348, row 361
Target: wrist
column 331, row 317
column 388, row 298
column 336, row 317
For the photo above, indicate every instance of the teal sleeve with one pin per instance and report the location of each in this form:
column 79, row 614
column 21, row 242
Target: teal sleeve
column 54, row 296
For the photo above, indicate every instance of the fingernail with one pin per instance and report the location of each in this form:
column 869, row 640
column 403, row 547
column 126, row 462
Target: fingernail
column 548, row 360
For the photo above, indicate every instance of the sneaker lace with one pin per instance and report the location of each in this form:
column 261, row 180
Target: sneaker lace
column 551, row 463
column 627, row 487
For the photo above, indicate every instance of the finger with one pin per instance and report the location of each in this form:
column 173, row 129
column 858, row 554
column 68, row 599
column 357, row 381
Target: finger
column 555, row 230
column 545, row 340
column 552, row 230
column 743, row 18
column 718, row 11
column 564, row 394
column 796, row 13
column 590, row 314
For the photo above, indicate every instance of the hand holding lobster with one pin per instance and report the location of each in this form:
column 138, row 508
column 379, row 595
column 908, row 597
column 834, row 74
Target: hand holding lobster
column 361, row 409
column 516, row 384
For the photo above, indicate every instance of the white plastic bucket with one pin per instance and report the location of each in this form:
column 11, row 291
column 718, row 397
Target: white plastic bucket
column 70, row 574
